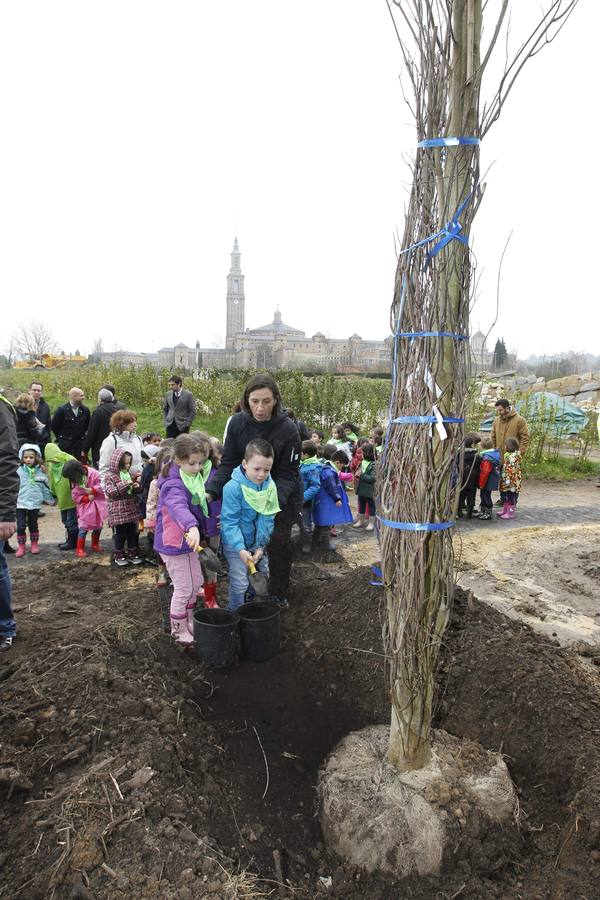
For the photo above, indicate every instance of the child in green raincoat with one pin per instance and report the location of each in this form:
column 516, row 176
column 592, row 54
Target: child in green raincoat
column 55, row 458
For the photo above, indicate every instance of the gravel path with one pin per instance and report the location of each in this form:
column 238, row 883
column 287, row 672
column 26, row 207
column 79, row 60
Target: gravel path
column 564, row 503
column 549, row 503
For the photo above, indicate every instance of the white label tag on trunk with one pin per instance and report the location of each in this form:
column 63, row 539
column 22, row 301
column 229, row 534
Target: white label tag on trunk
column 443, row 434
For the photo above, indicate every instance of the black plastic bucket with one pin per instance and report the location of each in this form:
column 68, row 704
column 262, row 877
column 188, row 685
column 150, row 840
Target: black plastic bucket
column 260, row 633
column 215, row 632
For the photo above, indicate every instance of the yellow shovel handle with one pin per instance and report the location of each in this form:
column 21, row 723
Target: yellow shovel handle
column 198, row 549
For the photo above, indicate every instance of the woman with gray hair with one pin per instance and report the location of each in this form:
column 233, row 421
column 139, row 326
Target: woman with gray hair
column 99, row 427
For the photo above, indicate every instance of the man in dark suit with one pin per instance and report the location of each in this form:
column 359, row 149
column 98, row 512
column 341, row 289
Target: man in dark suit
column 179, row 408
column 42, row 412
column 70, row 423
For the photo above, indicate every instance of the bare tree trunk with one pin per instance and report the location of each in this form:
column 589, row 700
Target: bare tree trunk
column 430, row 317
column 432, row 296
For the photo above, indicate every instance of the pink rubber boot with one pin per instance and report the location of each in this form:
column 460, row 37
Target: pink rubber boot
column 504, row 513
column 190, row 618
column 179, row 630
column 35, row 537
column 21, row 548
column 512, row 512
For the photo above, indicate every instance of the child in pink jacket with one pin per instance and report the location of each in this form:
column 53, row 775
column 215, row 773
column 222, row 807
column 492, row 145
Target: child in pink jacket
column 90, row 503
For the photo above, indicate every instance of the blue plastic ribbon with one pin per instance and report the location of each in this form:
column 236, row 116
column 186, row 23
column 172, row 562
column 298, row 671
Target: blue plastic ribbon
column 450, row 232
column 379, row 574
column 448, row 142
column 414, row 526
column 423, row 420
column 414, row 334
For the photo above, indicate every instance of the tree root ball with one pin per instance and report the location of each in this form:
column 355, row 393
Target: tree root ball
column 402, row 823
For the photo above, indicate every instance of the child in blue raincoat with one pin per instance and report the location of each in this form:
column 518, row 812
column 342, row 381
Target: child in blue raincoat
column 33, row 492
column 330, row 506
column 310, row 472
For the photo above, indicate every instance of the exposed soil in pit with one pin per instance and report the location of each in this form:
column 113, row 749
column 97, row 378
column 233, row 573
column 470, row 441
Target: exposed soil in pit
column 139, row 774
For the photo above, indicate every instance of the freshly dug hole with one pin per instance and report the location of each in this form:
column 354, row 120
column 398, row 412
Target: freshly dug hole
column 402, row 823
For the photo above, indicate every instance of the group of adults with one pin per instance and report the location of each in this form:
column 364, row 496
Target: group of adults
column 80, row 432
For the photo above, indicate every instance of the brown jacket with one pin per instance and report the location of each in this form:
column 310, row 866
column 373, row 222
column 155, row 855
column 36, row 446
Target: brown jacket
column 513, row 426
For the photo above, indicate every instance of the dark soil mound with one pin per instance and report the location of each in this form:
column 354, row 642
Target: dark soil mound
column 129, row 771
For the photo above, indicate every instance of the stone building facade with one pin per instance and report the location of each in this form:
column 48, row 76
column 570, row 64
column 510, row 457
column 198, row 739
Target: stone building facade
column 277, row 345
column 273, row 346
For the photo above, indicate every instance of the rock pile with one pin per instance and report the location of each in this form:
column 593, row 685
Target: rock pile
column 582, row 390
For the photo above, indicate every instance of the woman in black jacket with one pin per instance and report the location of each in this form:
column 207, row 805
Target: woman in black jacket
column 262, row 417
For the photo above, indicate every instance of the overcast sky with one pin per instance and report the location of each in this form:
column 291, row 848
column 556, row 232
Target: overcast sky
column 140, row 137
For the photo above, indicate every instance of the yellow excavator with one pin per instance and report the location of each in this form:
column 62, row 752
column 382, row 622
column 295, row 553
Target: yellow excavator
column 50, row 361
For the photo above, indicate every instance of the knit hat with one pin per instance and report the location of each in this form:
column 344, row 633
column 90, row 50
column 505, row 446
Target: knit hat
column 105, row 395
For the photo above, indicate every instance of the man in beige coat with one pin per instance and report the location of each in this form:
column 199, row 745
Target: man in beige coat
column 507, row 424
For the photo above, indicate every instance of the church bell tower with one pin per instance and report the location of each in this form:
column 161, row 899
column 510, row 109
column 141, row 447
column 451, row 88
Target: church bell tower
column 235, row 298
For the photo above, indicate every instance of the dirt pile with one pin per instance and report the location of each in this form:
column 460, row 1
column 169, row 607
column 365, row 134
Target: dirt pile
column 131, row 772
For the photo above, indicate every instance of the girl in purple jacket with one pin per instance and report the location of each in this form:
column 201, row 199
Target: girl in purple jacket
column 180, row 526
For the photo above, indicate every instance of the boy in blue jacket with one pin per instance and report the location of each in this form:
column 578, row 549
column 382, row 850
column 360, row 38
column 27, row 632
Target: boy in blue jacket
column 247, row 517
column 310, row 472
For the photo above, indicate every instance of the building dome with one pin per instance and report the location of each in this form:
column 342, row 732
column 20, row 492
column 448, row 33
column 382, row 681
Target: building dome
column 276, row 327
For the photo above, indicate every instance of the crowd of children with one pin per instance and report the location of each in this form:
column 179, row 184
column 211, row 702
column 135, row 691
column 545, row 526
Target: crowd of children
column 163, row 491
column 488, row 470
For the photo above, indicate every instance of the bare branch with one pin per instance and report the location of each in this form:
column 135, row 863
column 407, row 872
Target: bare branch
column 33, row 340
column 543, row 34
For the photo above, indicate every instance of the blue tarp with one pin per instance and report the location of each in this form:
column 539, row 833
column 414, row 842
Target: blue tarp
column 557, row 414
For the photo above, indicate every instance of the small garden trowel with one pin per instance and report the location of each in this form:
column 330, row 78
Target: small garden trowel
column 209, row 558
column 257, row 580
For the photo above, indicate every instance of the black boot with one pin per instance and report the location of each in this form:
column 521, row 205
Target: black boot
column 485, row 515
column 324, row 539
column 71, row 541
